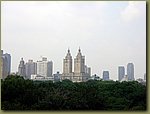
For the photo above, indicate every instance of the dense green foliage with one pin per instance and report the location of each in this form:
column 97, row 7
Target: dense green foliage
column 20, row 94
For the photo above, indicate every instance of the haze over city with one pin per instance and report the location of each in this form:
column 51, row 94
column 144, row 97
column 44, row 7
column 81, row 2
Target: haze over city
column 109, row 34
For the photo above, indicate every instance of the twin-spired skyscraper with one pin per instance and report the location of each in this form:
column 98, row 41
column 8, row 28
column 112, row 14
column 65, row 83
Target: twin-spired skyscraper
column 81, row 71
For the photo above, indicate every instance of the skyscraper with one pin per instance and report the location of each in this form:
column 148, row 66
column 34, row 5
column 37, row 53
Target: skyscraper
column 21, row 68
column 105, row 75
column 79, row 63
column 31, row 68
column 81, row 71
column 87, row 70
column 67, row 63
column 8, row 57
column 4, row 69
column 45, row 68
column 5, row 64
column 130, row 71
column 79, row 68
column 144, row 76
column 67, row 67
column 121, row 72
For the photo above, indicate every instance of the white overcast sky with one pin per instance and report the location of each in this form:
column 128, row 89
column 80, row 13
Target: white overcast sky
column 109, row 34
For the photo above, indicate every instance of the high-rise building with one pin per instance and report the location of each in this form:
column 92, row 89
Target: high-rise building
column 130, row 71
column 79, row 63
column 45, row 68
column 67, row 67
column 144, row 76
column 81, row 71
column 79, row 68
column 121, row 72
column 87, row 70
column 4, row 69
column 5, row 64
column 31, row 68
column 21, row 68
column 67, row 63
column 8, row 57
column 105, row 75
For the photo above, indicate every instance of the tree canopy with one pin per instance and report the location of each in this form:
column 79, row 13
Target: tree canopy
column 20, row 94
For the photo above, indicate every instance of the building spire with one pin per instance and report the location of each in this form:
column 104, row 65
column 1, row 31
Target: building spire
column 68, row 50
column 79, row 49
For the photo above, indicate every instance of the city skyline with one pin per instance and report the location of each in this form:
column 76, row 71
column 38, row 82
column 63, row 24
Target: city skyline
column 122, row 73
column 110, row 34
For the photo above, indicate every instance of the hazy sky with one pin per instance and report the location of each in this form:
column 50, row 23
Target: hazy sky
column 109, row 33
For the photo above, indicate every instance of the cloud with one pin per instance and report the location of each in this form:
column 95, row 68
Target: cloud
column 133, row 10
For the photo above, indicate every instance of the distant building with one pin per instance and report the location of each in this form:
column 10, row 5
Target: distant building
column 145, row 76
column 79, row 63
column 79, row 68
column 121, row 72
column 94, row 77
column 140, row 80
column 105, row 75
column 45, row 68
column 36, row 77
column 67, row 67
column 31, row 68
column 57, row 76
column 33, row 76
column 130, row 71
column 5, row 64
column 21, row 68
column 87, row 70
column 4, row 69
column 125, row 78
column 81, row 71
column 8, row 57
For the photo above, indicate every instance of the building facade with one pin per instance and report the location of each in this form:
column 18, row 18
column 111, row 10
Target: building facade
column 121, row 72
column 130, row 71
column 30, row 68
column 105, row 75
column 45, row 68
column 21, row 68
